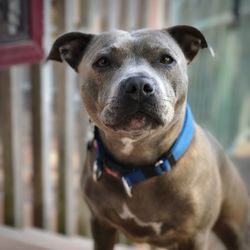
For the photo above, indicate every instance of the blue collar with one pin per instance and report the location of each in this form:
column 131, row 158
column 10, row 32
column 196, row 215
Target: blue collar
column 130, row 177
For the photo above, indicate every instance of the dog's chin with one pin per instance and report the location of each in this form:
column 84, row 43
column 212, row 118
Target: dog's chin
column 136, row 123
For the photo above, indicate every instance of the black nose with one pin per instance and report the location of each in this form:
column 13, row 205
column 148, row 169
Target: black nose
column 139, row 87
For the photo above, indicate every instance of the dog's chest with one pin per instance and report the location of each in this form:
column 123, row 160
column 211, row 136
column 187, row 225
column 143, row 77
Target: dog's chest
column 136, row 224
column 152, row 213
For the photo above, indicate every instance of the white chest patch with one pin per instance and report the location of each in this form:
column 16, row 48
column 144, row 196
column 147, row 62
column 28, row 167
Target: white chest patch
column 127, row 214
column 128, row 145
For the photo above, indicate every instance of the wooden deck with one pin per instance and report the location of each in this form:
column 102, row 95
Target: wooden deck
column 8, row 244
column 34, row 239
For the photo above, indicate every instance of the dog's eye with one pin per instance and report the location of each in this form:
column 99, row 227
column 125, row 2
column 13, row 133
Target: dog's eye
column 166, row 59
column 102, row 62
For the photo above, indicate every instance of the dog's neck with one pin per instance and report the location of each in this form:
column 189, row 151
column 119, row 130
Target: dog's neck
column 144, row 151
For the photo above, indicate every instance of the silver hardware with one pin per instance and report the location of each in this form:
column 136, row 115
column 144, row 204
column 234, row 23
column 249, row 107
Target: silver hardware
column 96, row 172
column 127, row 188
column 158, row 163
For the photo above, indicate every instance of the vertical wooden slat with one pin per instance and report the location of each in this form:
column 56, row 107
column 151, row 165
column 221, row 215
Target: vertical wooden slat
column 11, row 125
column 92, row 18
column 132, row 14
column 83, row 214
column 113, row 13
column 65, row 89
column 83, row 8
column 123, row 24
column 7, row 158
column 66, row 214
column 59, row 78
column 38, row 147
column 70, row 82
column 166, row 13
column 41, row 149
column 61, row 199
column 47, row 85
column 104, row 18
column 41, row 80
column 175, row 12
column 109, row 14
column 143, row 13
column 160, row 14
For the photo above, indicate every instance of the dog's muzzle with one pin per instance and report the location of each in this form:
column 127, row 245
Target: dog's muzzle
column 138, row 105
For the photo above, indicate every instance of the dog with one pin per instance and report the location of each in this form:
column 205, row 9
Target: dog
column 151, row 171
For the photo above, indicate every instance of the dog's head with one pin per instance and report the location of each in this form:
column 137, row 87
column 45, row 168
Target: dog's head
column 132, row 82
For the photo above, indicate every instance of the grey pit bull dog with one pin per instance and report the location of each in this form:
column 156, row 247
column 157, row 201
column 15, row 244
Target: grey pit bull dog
column 151, row 171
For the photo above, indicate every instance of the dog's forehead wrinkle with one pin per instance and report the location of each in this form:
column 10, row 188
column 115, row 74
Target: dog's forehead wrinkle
column 135, row 44
column 133, row 67
column 105, row 40
column 115, row 40
column 119, row 39
column 157, row 39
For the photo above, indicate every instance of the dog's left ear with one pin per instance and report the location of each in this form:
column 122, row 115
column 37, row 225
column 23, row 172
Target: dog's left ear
column 70, row 47
column 190, row 39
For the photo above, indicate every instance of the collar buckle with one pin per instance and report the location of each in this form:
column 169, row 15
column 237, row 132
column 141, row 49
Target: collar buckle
column 127, row 188
column 159, row 163
column 97, row 173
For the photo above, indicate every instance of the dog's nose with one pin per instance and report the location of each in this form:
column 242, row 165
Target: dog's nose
column 139, row 87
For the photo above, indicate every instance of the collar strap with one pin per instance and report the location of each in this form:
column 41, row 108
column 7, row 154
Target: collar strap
column 132, row 176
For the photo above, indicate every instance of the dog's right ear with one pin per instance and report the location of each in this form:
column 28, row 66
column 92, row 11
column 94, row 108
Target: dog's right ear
column 190, row 40
column 70, row 47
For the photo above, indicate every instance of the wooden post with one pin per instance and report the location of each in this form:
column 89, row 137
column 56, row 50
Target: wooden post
column 37, row 141
column 123, row 22
column 143, row 13
column 59, row 78
column 66, row 196
column 41, row 147
column 41, row 82
column 10, row 94
column 65, row 82
column 132, row 14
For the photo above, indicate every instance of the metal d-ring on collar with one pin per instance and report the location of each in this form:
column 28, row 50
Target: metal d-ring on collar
column 105, row 162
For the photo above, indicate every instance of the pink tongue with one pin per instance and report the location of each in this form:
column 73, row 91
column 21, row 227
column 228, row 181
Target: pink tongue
column 138, row 122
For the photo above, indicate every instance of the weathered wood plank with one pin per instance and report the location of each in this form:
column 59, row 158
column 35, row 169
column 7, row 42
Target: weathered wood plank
column 41, row 238
column 66, row 190
column 46, row 133
column 37, row 145
column 59, row 78
column 143, row 13
column 13, row 244
column 65, row 81
column 41, row 148
column 123, row 22
column 10, row 125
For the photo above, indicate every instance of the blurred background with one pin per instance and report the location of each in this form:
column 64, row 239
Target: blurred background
column 43, row 125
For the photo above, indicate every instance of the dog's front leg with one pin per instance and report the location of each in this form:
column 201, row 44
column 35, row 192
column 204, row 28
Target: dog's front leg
column 104, row 235
column 198, row 242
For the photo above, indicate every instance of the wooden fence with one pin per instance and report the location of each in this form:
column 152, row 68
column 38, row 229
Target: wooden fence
column 43, row 126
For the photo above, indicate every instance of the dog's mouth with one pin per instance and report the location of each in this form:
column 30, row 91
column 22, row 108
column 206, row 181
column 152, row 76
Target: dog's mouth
column 137, row 121
column 136, row 117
